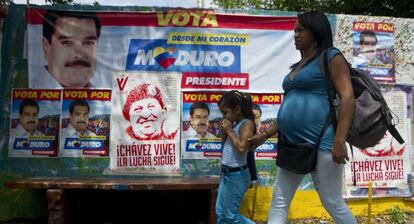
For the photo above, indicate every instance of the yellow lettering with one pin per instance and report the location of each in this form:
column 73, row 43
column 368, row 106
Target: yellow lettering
column 215, row 97
column 75, row 94
column 196, row 18
column 195, row 97
column 271, row 99
column 210, row 19
column 180, row 19
column 255, row 98
column 386, row 27
column 364, row 26
column 164, row 20
column 100, row 95
column 49, row 95
column 25, row 94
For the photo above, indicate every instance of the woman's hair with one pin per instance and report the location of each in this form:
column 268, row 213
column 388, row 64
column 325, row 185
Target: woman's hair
column 232, row 99
column 319, row 25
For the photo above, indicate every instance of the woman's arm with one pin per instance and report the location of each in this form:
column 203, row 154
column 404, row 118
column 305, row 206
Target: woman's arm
column 342, row 81
column 240, row 142
column 260, row 138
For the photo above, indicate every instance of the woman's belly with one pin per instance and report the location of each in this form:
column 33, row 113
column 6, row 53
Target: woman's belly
column 302, row 116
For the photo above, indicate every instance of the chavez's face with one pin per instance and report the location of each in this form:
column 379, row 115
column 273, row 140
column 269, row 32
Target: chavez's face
column 79, row 118
column 28, row 118
column 199, row 121
column 304, row 38
column 146, row 117
column 71, row 54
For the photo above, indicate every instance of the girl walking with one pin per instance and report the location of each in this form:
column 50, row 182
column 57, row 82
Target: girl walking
column 237, row 126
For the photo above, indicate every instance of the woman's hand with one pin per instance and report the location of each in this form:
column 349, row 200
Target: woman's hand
column 339, row 152
column 257, row 139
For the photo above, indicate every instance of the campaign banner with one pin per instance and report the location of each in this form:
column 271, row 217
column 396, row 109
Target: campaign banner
column 373, row 49
column 387, row 165
column 85, row 123
column 201, row 134
column 145, row 121
column 34, row 122
column 265, row 109
column 211, row 50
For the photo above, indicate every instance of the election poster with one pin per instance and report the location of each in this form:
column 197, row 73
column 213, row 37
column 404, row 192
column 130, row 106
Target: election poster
column 95, row 50
column 85, row 123
column 145, row 123
column 387, row 164
column 201, row 134
column 265, row 109
column 34, row 122
column 373, row 49
column 75, row 49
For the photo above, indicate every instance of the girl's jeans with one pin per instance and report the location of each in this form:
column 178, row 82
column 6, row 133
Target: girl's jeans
column 230, row 195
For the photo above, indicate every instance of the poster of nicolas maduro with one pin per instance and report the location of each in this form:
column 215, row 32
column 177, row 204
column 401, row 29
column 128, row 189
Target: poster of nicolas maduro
column 34, row 123
column 85, row 123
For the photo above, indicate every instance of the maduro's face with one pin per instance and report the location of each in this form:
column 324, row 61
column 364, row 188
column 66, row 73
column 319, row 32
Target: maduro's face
column 199, row 121
column 71, row 53
column 29, row 118
column 369, row 47
column 79, row 118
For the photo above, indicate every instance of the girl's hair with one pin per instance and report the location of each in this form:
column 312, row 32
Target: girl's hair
column 319, row 25
column 234, row 98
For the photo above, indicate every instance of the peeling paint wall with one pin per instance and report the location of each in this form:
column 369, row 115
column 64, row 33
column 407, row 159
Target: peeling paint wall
column 403, row 46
